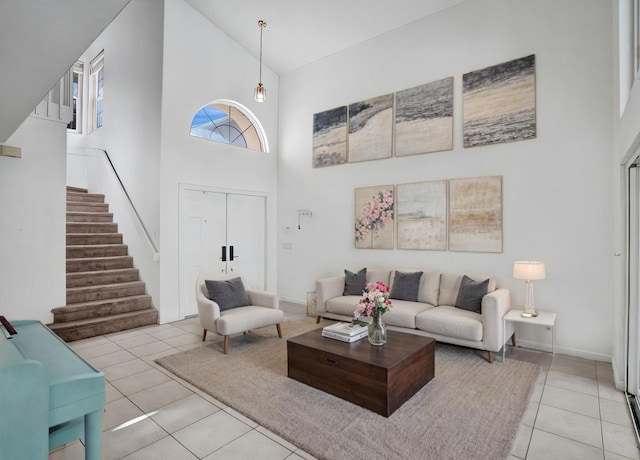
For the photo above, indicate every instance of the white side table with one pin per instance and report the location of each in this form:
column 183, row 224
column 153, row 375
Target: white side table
column 544, row 318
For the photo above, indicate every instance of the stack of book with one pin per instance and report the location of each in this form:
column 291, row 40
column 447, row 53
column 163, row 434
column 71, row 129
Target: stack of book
column 346, row 332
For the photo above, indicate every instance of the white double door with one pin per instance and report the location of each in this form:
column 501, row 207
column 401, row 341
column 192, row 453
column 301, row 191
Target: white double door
column 223, row 234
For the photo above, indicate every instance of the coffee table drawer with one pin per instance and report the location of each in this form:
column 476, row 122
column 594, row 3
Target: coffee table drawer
column 380, row 379
column 361, row 383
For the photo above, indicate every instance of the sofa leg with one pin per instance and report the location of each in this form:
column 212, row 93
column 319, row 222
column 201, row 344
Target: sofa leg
column 490, row 357
column 279, row 330
column 204, row 335
column 513, row 339
column 226, row 344
column 318, row 319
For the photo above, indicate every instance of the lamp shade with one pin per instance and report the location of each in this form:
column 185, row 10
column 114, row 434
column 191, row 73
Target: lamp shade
column 529, row 270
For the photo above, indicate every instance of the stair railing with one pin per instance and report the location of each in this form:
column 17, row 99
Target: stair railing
column 149, row 240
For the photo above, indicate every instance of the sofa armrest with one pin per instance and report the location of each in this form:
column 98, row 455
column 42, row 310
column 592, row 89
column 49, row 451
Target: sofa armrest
column 328, row 288
column 208, row 310
column 495, row 305
column 264, row 299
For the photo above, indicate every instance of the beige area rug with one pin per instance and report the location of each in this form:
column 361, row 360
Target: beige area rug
column 470, row 410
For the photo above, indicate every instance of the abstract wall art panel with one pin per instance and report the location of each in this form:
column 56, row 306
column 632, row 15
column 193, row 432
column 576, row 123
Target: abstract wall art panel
column 499, row 103
column 424, row 118
column 371, row 129
column 374, row 224
column 475, row 214
column 421, row 210
column 330, row 137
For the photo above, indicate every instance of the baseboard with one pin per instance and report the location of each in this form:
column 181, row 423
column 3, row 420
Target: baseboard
column 295, row 301
column 563, row 350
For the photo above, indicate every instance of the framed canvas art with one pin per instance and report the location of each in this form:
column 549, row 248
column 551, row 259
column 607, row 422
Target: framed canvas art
column 424, row 118
column 475, row 214
column 371, row 129
column 499, row 103
column 421, row 210
column 374, row 210
column 330, row 137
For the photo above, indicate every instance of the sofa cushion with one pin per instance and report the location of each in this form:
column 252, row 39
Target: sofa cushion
column 429, row 286
column 227, row 293
column 379, row 275
column 403, row 313
column 405, row 286
column 343, row 305
column 451, row 322
column 450, row 286
column 471, row 293
column 354, row 283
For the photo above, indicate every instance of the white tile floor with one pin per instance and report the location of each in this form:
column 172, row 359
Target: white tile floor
column 574, row 412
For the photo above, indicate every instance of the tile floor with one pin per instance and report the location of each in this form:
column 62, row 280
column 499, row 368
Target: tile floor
column 574, row 412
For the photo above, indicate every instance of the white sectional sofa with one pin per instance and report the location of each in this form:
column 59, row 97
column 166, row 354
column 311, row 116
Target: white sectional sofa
column 434, row 313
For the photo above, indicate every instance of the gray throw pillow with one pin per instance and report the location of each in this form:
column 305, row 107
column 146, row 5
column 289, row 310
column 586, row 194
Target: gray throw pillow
column 354, row 283
column 406, row 286
column 471, row 293
column 227, row 294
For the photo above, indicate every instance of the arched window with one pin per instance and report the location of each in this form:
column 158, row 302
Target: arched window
column 229, row 123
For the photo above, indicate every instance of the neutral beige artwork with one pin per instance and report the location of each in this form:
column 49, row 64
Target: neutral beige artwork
column 371, row 129
column 475, row 214
column 330, row 137
column 422, row 215
column 424, row 118
column 374, row 224
column 499, row 103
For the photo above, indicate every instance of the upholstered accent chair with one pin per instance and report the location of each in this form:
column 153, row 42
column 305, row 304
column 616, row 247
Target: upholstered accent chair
column 263, row 310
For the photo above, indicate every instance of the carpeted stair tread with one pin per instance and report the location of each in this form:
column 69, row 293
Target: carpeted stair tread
column 84, row 216
column 85, row 197
column 101, row 308
column 104, row 291
column 87, row 264
column 102, row 277
column 80, row 251
column 94, row 238
column 92, row 227
column 87, row 207
column 82, row 329
column 71, row 188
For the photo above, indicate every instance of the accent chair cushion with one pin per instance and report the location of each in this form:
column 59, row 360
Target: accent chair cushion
column 228, row 293
column 471, row 293
column 406, row 286
column 354, row 283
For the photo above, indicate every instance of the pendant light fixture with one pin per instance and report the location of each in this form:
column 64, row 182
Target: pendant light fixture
column 260, row 93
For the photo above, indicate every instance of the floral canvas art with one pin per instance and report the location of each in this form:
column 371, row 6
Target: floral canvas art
column 374, row 208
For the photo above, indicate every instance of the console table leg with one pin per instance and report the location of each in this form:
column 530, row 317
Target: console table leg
column 93, row 435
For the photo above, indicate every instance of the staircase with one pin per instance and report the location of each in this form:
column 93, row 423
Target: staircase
column 104, row 292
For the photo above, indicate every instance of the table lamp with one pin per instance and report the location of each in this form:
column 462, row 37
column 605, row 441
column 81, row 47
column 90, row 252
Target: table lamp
column 529, row 271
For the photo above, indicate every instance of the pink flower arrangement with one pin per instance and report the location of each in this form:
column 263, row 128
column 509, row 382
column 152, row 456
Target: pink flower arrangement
column 375, row 214
column 374, row 300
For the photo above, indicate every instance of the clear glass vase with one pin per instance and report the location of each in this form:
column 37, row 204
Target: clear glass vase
column 377, row 330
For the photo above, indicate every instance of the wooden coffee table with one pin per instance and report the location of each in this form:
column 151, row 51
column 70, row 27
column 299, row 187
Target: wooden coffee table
column 380, row 379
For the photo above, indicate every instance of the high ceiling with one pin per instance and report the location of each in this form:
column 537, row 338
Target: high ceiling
column 300, row 32
column 39, row 41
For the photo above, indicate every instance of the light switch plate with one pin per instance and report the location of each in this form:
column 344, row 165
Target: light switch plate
column 7, row 151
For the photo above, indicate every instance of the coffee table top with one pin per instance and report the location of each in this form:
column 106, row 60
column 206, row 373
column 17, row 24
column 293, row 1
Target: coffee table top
column 398, row 347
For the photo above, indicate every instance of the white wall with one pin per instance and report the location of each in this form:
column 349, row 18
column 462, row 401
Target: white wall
column 32, row 226
column 557, row 188
column 130, row 133
column 202, row 64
